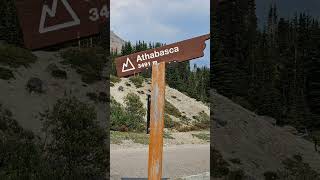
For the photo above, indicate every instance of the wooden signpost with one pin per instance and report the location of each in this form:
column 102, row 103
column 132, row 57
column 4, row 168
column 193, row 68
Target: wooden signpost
column 49, row 22
column 156, row 58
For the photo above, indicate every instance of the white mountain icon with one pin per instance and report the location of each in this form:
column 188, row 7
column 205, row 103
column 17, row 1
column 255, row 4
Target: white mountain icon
column 52, row 13
column 126, row 67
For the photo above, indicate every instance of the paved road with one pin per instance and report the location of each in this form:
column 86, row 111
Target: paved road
column 179, row 161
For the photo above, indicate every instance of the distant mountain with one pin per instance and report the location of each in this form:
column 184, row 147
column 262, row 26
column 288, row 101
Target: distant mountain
column 115, row 42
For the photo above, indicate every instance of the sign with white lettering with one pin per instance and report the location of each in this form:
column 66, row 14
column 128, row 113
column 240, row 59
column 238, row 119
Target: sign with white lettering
column 50, row 22
column 180, row 51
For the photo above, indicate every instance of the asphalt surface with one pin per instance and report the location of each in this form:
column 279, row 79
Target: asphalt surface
column 178, row 161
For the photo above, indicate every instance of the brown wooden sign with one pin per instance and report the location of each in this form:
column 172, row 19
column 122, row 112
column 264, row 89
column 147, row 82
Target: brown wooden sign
column 49, row 22
column 180, row 51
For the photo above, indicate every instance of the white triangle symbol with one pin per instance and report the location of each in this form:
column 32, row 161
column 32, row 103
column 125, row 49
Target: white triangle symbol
column 52, row 13
column 126, row 64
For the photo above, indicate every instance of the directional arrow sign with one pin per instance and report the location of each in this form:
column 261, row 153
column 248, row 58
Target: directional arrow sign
column 180, row 51
column 49, row 22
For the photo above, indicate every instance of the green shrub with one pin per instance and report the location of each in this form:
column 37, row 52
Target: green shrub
column 295, row 168
column 235, row 161
column 35, row 85
column 202, row 136
column 15, row 57
column 219, row 167
column 114, row 79
column 172, row 110
column 6, row 74
column 92, row 96
column 169, row 123
column 236, row 175
column 122, row 120
column 19, row 153
column 168, row 135
column 137, row 80
column 134, row 106
column 59, row 74
column 270, row 175
column 202, row 121
column 186, row 128
column 77, row 147
column 103, row 97
column 89, row 62
column 185, row 119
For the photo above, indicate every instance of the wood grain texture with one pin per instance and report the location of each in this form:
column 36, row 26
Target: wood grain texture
column 157, row 122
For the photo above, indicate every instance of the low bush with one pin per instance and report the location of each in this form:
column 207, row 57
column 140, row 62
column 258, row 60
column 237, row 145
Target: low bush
column 77, row 147
column 6, row 74
column 219, row 167
column 103, row 97
column 169, row 123
column 270, row 175
column 236, row 175
column 295, row 168
column 15, row 57
column 172, row 110
column 59, row 74
column 202, row 121
column 89, row 62
column 134, row 106
column 123, row 119
column 19, row 153
column 137, row 80
column 202, row 136
column 35, row 85
column 114, row 79
column 235, row 161
column 92, row 96
column 186, row 128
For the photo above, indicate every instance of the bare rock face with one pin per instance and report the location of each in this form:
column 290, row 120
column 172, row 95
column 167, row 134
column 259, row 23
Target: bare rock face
column 116, row 42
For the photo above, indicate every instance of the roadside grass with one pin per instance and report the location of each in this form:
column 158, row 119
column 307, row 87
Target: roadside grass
column 202, row 136
column 117, row 137
column 15, row 57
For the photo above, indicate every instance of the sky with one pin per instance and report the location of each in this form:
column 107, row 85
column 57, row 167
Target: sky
column 165, row 21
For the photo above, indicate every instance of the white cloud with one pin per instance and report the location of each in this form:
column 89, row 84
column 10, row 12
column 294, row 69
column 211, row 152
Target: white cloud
column 145, row 19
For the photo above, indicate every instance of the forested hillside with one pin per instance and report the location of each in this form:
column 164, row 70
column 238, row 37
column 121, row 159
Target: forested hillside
column 273, row 71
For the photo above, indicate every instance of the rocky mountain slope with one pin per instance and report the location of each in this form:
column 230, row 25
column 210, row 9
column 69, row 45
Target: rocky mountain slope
column 254, row 141
column 26, row 106
column 115, row 42
column 188, row 106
